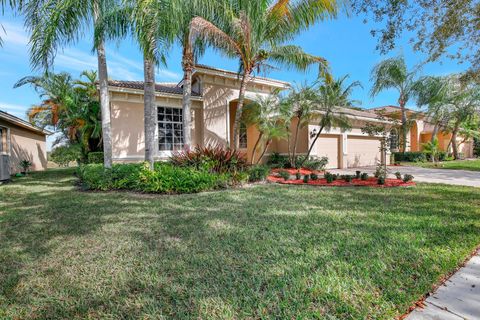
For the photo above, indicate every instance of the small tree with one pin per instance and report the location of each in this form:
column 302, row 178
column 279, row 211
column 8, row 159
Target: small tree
column 330, row 95
column 432, row 148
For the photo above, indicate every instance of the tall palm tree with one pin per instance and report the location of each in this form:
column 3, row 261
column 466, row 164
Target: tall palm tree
column 331, row 95
column 255, row 30
column 14, row 5
column 55, row 23
column 433, row 92
column 393, row 74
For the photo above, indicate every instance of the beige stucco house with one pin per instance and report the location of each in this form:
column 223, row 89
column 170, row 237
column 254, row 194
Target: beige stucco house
column 20, row 140
column 214, row 100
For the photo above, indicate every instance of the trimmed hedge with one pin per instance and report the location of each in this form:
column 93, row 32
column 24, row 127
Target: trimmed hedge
column 95, row 157
column 165, row 178
column 410, row 156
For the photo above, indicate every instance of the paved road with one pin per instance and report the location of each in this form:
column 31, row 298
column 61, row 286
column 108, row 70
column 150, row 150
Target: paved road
column 458, row 298
column 455, row 177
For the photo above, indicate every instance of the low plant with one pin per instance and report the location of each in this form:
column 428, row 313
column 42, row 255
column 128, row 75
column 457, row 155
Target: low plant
column 95, row 157
column 284, row 174
column 25, row 165
column 413, row 156
column 348, row 178
column 381, row 180
column 315, row 164
column 358, row 173
column 364, row 176
column 306, row 178
column 63, row 155
column 298, row 175
column 211, row 158
column 380, row 171
column 276, row 160
column 329, row 177
column 398, row 175
column 314, row 176
column 407, row 178
column 258, row 173
column 336, row 177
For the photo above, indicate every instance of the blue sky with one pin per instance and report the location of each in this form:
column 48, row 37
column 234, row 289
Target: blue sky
column 346, row 43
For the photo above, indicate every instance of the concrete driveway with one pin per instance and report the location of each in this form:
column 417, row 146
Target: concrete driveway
column 454, row 177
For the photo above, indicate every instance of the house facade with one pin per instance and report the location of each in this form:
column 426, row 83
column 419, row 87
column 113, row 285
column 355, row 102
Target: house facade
column 20, row 140
column 214, row 102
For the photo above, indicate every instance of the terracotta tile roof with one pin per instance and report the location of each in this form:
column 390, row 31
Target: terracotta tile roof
column 359, row 113
column 170, row 88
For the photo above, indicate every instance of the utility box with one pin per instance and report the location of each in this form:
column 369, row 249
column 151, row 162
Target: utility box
column 4, row 167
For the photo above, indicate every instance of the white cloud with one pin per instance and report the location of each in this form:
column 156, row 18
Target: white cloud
column 14, row 34
column 14, row 109
column 168, row 75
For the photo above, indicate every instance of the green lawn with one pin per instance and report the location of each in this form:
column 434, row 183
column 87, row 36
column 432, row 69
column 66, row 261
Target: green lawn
column 471, row 165
column 269, row 251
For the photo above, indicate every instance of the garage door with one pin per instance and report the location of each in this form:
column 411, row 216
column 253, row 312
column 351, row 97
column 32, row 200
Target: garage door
column 328, row 146
column 362, row 151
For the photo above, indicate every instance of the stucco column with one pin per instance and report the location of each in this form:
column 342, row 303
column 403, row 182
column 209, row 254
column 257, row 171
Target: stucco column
column 343, row 151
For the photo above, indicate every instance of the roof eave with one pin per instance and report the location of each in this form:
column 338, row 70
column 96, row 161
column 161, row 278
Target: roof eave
column 157, row 93
column 22, row 123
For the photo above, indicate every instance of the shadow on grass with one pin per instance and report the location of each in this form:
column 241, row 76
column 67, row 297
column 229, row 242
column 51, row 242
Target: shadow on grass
column 268, row 251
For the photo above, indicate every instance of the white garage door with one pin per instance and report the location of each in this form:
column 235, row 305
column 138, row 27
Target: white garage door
column 362, row 151
column 328, row 146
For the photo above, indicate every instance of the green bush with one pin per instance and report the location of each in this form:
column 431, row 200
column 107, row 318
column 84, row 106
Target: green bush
column 95, row 157
column 329, row 177
column 165, row 178
column 398, row 175
column 358, row 174
column 410, row 156
column 316, row 164
column 476, row 147
column 314, row 176
column 364, row 176
column 276, row 160
column 381, row 180
column 306, row 178
column 284, row 174
column 258, row 173
column 407, row 178
column 348, row 178
column 298, row 175
column 63, row 155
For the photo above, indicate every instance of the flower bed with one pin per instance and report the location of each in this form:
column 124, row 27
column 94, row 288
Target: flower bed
column 370, row 182
column 293, row 171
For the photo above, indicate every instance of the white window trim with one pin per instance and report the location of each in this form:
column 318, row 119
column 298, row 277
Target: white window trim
column 163, row 153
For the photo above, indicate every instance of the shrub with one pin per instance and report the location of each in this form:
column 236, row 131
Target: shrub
column 284, row 174
column 336, row 176
column 316, row 163
column 165, row 178
column 407, row 178
column 398, row 175
column 306, row 178
column 211, row 158
column 358, row 173
column 381, row 180
column 298, row 175
column 95, row 157
column 476, row 147
column 410, row 156
column 364, row 176
column 348, row 178
column 314, row 176
column 329, row 177
column 25, row 165
column 258, row 173
column 276, row 160
column 63, row 155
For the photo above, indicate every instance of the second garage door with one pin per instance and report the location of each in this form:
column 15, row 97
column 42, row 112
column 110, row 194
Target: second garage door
column 362, row 151
column 328, row 146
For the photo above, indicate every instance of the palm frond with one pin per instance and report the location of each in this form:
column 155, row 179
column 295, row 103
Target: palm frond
column 294, row 57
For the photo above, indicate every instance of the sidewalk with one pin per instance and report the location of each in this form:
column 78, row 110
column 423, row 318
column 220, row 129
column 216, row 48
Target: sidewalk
column 458, row 298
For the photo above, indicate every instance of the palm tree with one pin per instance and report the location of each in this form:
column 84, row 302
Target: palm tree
column 331, row 95
column 254, row 31
column 393, row 74
column 55, row 23
column 265, row 114
column 14, row 4
column 300, row 106
column 433, row 92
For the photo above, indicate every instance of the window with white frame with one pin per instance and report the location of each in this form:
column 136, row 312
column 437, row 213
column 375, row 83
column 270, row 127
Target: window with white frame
column 170, row 129
column 393, row 139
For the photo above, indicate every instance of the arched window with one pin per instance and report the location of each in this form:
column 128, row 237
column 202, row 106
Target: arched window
column 393, row 139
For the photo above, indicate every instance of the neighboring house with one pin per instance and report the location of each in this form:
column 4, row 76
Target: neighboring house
column 20, row 140
column 214, row 101
column 421, row 131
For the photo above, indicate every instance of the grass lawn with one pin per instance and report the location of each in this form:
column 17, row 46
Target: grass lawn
column 471, row 165
column 269, row 251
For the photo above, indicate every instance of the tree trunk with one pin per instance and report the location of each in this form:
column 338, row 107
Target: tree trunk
column 238, row 113
column 254, row 152
column 435, row 132
column 311, row 145
column 454, row 141
column 187, row 66
column 264, row 150
column 293, row 161
column 404, row 124
column 104, row 96
column 149, row 110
